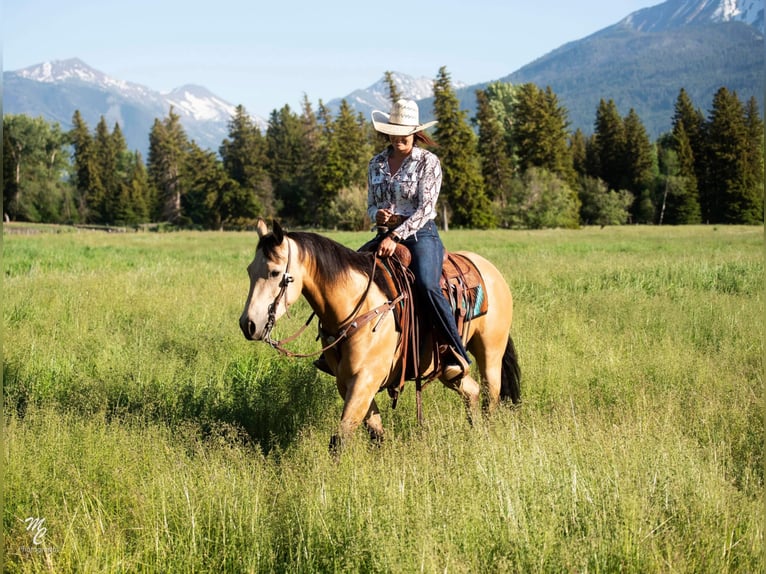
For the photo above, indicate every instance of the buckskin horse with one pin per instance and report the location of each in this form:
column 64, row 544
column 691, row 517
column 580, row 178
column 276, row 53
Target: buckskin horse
column 360, row 323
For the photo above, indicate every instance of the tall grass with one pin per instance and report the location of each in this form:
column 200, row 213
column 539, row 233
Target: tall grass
column 152, row 437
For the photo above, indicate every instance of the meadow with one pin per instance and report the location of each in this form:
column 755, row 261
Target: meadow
column 142, row 433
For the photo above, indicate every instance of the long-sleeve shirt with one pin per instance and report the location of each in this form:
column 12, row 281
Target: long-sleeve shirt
column 412, row 191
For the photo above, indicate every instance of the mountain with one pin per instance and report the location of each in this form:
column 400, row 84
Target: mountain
column 54, row 90
column 644, row 60
column 375, row 97
column 641, row 62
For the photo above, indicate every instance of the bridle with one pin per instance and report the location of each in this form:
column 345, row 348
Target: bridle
column 355, row 322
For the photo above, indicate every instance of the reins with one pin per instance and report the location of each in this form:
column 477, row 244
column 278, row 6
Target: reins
column 354, row 323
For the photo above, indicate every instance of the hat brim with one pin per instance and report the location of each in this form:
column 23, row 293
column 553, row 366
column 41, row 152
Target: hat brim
column 390, row 129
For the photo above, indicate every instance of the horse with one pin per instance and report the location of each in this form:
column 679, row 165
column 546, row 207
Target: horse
column 341, row 287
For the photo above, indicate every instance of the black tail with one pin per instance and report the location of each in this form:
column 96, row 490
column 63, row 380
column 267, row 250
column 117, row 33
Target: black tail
column 510, row 378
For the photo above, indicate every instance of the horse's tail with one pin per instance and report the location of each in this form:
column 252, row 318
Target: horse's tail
column 510, row 376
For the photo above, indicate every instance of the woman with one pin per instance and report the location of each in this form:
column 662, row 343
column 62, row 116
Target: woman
column 403, row 184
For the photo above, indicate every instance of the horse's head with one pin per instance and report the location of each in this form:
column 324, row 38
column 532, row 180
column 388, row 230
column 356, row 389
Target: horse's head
column 272, row 285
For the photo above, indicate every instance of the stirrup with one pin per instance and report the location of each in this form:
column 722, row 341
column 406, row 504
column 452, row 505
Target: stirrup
column 455, row 365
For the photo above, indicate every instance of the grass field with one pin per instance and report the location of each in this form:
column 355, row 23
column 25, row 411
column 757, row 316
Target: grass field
column 144, row 434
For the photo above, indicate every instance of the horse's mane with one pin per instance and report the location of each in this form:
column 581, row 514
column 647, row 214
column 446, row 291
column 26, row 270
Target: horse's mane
column 332, row 260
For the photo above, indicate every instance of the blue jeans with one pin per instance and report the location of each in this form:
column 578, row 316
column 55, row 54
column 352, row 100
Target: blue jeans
column 427, row 252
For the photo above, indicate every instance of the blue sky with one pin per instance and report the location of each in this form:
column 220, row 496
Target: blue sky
column 264, row 55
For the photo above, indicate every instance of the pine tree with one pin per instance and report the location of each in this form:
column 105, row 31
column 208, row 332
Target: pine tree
column 578, row 150
column 726, row 198
column 639, row 162
column 539, row 131
column 754, row 163
column 284, row 150
column 496, row 167
column 168, row 147
column 608, row 145
column 462, row 184
column 245, row 161
column 393, row 91
column 87, row 175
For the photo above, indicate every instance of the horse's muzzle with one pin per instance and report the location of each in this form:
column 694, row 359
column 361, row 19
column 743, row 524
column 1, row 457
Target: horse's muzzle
column 248, row 327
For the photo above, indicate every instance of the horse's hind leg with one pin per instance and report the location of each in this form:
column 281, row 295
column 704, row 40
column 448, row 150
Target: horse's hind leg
column 470, row 391
column 374, row 423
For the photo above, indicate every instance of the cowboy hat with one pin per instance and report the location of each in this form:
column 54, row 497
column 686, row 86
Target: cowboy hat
column 402, row 121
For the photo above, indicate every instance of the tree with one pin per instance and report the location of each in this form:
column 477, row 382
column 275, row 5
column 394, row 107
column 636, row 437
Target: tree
column 36, row 159
column 288, row 163
column 679, row 200
column 168, row 147
column 245, row 161
column 544, row 200
column 601, row 205
column 393, row 91
column 539, row 131
column 496, row 167
column 85, row 170
column 638, row 161
column 344, row 161
column 608, row 144
column 728, row 196
column 462, row 184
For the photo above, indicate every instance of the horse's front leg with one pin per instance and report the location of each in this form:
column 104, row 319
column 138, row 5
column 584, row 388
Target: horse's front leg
column 359, row 406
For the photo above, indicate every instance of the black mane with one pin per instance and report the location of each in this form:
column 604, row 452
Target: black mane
column 332, row 260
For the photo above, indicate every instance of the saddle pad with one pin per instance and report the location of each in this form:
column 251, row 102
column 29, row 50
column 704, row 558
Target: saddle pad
column 464, row 287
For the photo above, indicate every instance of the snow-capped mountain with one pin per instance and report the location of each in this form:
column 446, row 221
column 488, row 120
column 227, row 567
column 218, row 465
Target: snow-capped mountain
column 375, row 97
column 56, row 89
column 675, row 14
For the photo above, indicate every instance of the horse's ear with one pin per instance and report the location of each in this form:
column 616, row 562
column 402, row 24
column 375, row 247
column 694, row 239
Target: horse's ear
column 261, row 228
column 276, row 229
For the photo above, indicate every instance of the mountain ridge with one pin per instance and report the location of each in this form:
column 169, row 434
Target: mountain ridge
column 627, row 62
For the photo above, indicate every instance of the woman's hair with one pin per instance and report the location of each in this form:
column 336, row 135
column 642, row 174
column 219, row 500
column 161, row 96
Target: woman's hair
column 424, row 139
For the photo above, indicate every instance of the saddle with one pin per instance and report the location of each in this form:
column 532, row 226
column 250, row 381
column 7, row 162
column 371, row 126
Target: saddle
column 462, row 286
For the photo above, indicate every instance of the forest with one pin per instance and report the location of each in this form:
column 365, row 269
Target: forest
column 514, row 164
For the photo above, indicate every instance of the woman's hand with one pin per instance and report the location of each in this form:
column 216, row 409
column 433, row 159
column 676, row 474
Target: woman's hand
column 382, row 216
column 387, row 247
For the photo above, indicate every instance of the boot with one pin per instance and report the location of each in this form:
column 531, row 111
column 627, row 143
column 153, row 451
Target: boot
column 455, row 366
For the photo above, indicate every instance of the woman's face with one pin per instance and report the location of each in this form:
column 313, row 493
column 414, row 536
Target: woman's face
column 402, row 144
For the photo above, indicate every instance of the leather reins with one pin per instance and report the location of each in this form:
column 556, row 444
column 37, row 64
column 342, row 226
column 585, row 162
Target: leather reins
column 354, row 323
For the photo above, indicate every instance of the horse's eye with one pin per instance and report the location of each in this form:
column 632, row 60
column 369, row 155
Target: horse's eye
column 274, row 274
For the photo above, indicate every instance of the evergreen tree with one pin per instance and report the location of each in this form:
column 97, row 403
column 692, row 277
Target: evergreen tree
column 608, row 145
column 462, row 184
column 639, row 162
column 168, row 147
column 345, row 159
column 539, row 131
column 727, row 197
column 284, row 153
column 689, row 130
column 85, row 169
column 496, row 167
column 578, row 150
column 393, row 90
column 245, row 161
column 754, row 163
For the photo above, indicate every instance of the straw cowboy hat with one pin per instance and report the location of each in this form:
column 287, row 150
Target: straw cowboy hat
column 402, row 121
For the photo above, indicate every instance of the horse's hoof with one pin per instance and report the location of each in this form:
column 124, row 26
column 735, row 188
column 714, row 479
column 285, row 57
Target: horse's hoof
column 334, row 447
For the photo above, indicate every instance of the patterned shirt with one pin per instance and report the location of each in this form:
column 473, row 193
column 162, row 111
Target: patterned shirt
column 412, row 191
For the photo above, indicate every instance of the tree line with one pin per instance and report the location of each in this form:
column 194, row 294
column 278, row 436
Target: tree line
column 515, row 164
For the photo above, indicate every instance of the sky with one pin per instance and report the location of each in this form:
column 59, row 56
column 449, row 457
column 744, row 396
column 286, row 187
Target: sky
column 264, row 55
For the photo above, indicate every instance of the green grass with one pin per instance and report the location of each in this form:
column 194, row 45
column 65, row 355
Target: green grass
column 152, row 437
